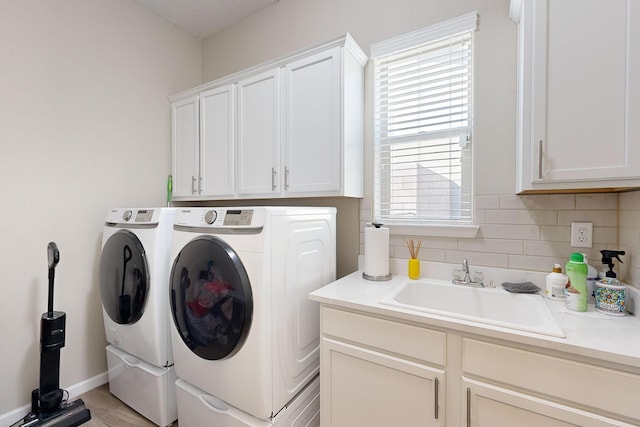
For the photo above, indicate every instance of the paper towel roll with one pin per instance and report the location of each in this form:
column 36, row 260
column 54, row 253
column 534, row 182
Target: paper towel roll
column 376, row 253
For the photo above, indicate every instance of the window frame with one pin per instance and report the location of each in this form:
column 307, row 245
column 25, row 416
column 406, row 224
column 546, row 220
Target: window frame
column 447, row 227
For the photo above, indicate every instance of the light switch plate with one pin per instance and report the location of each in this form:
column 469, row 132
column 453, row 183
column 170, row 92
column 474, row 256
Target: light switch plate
column 581, row 234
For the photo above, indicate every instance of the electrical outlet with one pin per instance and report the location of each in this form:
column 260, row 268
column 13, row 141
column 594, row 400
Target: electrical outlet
column 582, row 234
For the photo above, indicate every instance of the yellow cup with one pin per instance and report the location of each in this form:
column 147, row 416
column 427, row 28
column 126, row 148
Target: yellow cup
column 414, row 268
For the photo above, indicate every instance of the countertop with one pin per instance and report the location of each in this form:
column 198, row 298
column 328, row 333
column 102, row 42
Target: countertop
column 612, row 339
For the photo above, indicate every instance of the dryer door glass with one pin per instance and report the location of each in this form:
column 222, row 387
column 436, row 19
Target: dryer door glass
column 124, row 277
column 211, row 298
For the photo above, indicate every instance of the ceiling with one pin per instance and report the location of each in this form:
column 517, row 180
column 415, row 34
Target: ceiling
column 203, row 18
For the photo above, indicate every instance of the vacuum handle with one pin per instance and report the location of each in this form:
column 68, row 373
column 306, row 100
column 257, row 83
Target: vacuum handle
column 53, row 257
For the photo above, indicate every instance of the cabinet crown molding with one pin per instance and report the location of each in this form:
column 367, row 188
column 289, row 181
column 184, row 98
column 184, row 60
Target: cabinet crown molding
column 345, row 40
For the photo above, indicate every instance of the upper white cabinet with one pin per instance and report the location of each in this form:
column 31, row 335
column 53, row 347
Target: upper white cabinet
column 296, row 129
column 185, row 150
column 258, row 135
column 578, row 97
column 217, row 150
column 322, row 123
column 202, row 143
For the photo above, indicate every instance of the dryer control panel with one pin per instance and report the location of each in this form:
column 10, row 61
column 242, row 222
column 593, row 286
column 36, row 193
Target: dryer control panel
column 221, row 218
column 238, row 217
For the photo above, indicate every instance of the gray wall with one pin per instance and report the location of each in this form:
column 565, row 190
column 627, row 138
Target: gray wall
column 84, row 126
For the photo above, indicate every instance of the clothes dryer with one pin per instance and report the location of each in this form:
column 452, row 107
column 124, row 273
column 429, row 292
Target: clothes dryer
column 134, row 290
column 244, row 330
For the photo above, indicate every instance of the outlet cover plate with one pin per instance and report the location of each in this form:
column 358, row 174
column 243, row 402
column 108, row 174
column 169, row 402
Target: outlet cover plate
column 581, row 234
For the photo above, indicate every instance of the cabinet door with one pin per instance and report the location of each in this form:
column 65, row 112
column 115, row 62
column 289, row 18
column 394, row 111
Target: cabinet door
column 487, row 405
column 362, row 387
column 184, row 147
column 258, row 135
column 579, row 97
column 312, row 126
column 217, row 139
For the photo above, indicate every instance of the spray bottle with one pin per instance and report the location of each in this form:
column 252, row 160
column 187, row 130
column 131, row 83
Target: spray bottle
column 607, row 259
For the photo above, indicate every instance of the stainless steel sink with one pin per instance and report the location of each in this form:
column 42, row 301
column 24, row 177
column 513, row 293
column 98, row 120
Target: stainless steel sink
column 491, row 306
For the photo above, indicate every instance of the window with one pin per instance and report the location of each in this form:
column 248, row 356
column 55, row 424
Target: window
column 423, row 124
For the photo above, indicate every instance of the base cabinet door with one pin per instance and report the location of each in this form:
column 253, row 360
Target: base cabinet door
column 363, row 387
column 487, row 405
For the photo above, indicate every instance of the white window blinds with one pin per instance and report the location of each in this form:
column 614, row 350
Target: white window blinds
column 423, row 123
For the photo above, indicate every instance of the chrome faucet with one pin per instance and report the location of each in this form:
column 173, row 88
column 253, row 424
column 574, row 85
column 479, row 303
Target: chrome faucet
column 466, row 279
column 465, row 270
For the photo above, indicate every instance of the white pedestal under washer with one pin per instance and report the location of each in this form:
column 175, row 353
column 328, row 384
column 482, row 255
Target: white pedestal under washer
column 134, row 290
column 244, row 330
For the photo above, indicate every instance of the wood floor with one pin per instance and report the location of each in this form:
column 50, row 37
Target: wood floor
column 109, row 411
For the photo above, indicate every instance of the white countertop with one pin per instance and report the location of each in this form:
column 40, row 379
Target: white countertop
column 590, row 334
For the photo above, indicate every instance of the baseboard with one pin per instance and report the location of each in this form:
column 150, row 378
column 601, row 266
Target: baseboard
column 13, row 416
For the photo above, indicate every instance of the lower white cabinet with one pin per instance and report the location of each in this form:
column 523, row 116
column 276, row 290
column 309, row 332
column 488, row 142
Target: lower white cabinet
column 487, row 405
column 381, row 371
column 371, row 388
column 363, row 382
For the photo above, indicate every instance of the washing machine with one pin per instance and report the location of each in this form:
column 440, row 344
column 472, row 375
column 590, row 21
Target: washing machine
column 244, row 332
column 134, row 290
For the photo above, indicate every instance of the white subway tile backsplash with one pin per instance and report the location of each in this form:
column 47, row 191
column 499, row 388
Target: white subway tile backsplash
column 548, row 249
column 558, row 233
column 504, row 246
column 521, row 216
column 500, row 231
column 478, row 259
column 597, row 201
column 602, row 218
column 532, row 232
column 629, row 201
column 535, row 263
column 605, row 236
column 538, row 201
column 487, row 202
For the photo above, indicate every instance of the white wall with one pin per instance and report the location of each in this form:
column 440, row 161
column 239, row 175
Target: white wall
column 290, row 25
column 518, row 232
column 84, row 125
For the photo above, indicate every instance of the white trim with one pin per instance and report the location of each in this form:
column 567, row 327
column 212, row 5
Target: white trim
column 515, row 10
column 462, row 23
column 435, row 230
column 15, row 415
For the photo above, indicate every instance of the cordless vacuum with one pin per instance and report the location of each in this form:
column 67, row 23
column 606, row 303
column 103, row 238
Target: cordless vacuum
column 49, row 406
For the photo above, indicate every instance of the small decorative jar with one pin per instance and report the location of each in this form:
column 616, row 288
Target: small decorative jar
column 610, row 297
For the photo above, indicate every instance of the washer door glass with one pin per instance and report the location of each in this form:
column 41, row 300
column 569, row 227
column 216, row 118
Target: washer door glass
column 124, row 277
column 211, row 299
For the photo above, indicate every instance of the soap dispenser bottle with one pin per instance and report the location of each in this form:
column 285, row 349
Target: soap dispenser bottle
column 556, row 282
column 577, row 285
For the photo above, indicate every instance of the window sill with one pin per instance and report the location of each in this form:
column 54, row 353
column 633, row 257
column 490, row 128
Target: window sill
column 445, row 230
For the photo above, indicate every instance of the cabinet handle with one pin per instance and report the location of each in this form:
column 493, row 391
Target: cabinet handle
column 540, row 159
column 468, row 407
column 199, row 184
column 193, row 185
column 437, row 385
column 273, row 179
column 286, row 178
